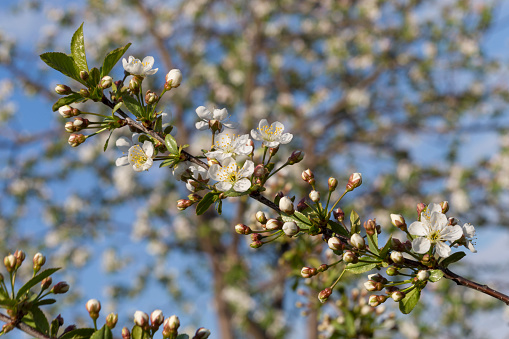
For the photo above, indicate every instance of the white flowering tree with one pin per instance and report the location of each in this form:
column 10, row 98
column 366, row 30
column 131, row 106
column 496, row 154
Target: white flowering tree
column 342, row 79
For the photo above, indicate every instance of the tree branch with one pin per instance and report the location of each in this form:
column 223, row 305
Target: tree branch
column 24, row 327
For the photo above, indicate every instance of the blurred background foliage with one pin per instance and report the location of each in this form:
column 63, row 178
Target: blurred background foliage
column 410, row 93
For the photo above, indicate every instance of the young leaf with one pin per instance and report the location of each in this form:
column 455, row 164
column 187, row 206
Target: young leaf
column 171, row 144
column 94, row 77
column 386, row 248
column 355, row 221
column 79, row 333
column 435, row 275
column 219, row 206
column 71, row 98
column 139, row 333
column 39, row 319
column 167, row 162
column 373, row 243
column 78, row 49
column 107, row 141
column 35, row 280
column 204, row 204
column 103, row 333
column 338, row 228
column 45, row 302
column 117, row 106
column 299, row 223
column 360, row 267
column 182, row 336
column 407, row 304
column 452, row 258
column 62, row 63
column 112, row 58
column 133, row 106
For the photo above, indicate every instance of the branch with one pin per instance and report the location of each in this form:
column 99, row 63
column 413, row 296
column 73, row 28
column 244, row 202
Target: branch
column 24, row 327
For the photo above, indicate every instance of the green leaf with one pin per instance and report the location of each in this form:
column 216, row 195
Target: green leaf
column 55, row 325
column 219, row 206
column 232, row 193
column 182, row 336
column 71, row 98
column 39, row 319
column 338, row 228
column 360, row 267
column 103, row 333
column 204, row 204
column 435, row 275
column 62, row 63
column 35, row 280
column 373, row 243
column 8, row 302
column 138, row 333
column 46, row 302
column 407, row 304
column 133, row 106
column 167, row 162
column 355, row 221
column 94, row 77
column 171, row 144
column 297, row 214
column 386, row 248
column 107, row 141
column 452, row 258
column 112, row 58
column 78, row 49
column 117, row 106
column 79, row 333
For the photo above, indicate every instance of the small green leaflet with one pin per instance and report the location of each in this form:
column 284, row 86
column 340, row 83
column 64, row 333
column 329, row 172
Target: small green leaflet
column 297, row 219
column 452, row 258
column 360, row 267
column 62, row 63
column 133, row 106
column 355, row 221
column 117, row 106
column 103, row 333
column 107, row 141
column 78, row 49
column 435, row 275
column 373, row 243
column 71, row 98
column 79, row 333
column 338, row 228
column 139, row 333
column 171, row 144
column 204, row 204
column 386, row 248
column 112, row 58
column 407, row 304
column 35, row 280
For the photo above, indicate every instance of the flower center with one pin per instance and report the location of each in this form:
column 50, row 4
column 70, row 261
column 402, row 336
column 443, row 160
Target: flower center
column 271, row 132
column 434, row 236
column 138, row 156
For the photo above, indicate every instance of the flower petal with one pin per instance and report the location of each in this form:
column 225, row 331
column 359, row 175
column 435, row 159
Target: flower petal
column 451, row 233
column 224, row 186
column 148, row 164
column 148, row 62
column 439, row 220
column 201, row 125
column 214, row 172
column 231, row 124
column 204, row 113
column 122, row 161
column 443, row 250
column 471, row 247
column 468, row 230
column 286, row 138
column 247, row 169
column 417, row 228
column 255, row 134
column 123, row 144
column 220, row 114
column 148, row 148
column 242, row 185
column 421, row 245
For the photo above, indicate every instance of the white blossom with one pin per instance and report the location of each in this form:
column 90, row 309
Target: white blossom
column 271, row 135
column 137, row 67
column 210, row 118
column 229, row 145
column 230, row 176
column 468, row 235
column 139, row 156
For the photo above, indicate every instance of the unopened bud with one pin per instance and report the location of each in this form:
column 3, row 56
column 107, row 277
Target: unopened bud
column 84, row 92
column 60, row 288
column 335, row 244
column 156, row 318
column 194, row 197
column 273, row 224
column 243, row 229
column 358, row 241
column 308, row 176
column 76, row 139
column 397, row 257
column 63, row 89
column 290, row 228
column 84, row 75
column 314, row 196
column 93, row 307
column 339, row 214
column 354, row 181
column 373, row 286
column 350, row 257
column 134, row 85
column 10, row 263
column 392, row 271
column 46, row 283
column 286, row 205
column 69, row 127
column 106, row 82
column 80, row 123
column 420, row 208
column 256, row 244
column 397, row 296
column 333, row 183
column 295, row 157
column 20, row 257
column 323, row 268
column 445, row 206
column 260, row 217
column 65, row 111
column 301, row 206
column 151, row 97
column 373, row 301
column 111, row 320
column 324, row 295
column 170, row 326
column 141, row 319
column 422, row 275
column 201, row 333
column 307, row 272
column 370, row 227
column 182, row 204
column 173, row 79
column 398, row 221
column 260, row 171
column 125, row 333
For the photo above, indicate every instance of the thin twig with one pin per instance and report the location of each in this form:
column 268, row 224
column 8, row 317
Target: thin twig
column 24, row 327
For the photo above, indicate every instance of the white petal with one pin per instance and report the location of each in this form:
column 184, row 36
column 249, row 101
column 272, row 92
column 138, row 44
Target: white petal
column 220, row 114
column 122, row 161
column 286, row 138
column 439, row 220
column 451, row 233
column 242, row 185
column 148, row 62
column 152, row 71
column 271, row 143
column 204, row 113
column 231, row 124
column 417, row 228
column 247, row 169
column 471, row 247
column 228, row 161
column 123, row 144
column 224, row 186
column 137, row 167
column 421, row 245
column 148, row 148
column 256, row 135
column 277, row 127
column 263, row 125
column 443, row 250
column 148, row 164
column 201, row 125
column 214, row 172
column 468, row 230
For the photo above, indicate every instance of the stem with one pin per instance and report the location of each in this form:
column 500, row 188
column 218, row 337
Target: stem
column 24, row 327
column 337, row 280
column 13, row 278
column 341, row 197
column 277, row 170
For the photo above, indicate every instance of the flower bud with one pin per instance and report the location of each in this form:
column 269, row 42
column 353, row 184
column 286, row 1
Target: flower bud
column 295, row 157
column 445, row 206
column 422, row 275
column 10, row 263
column 20, row 257
column 111, row 320
column 63, row 89
column 398, row 221
column 373, row 301
column 84, row 92
column 141, row 319
column 260, row 171
column 75, row 112
column 370, row 227
column 335, row 244
column 324, row 295
column 182, row 204
column 371, row 286
column 173, row 79
column 156, row 318
column 323, row 268
column 350, row 257
column 256, row 244
column 76, row 139
column 302, row 205
column 260, row 217
column 84, row 75
column 60, row 288
column 106, row 82
column 333, row 183
column 290, row 228
column 314, row 196
column 338, row 214
column 69, row 127
column 308, row 176
column 243, row 229
column 358, row 241
column 397, row 257
column 354, row 181
column 215, row 125
column 307, row 272
column 170, row 326
column 65, row 111
column 79, row 123
column 46, row 283
column 194, row 197
column 93, row 307
column 286, row 205
column 273, row 224
column 201, row 333
column 273, row 150
column 134, row 85
column 151, row 97
column 392, row 271
column 125, row 333
column 420, row 208
column 397, row 296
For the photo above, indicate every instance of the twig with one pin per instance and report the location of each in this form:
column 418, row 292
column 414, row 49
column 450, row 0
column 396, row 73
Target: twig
column 24, row 327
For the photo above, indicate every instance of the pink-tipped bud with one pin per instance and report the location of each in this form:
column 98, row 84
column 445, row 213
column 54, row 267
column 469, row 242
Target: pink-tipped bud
column 445, row 206
column 301, row 206
column 350, row 257
column 151, row 97
column 80, row 123
column 65, row 111
column 125, row 333
column 397, row 257
column 308, row 176
column 397, row 296
column 260, row 171
column 141, row 319
column 243, row 229
column 295, row 157
column 286, row 205
column 314, row 196
column 260, row 217
column 93, row 307
column 201, row 333
column 358, row 241
column 60, row 288
column 372, row 286
column 76, row 139
column 39, row 261
column 84, row 92
column 307, row 272
column 354, row 181
column 173, row 79
column 398, row 221
column 46, row 283
column 324, row 295
column 370, row 227
column 339, row 215
column 256, row 244
column 333, row 183
column 182, row 204
column 335, row 244
column 420, row 208
column 170, row 326
column 63, row 89
column 273, row 224
column 373, row 301
column 156, row 319
column 10, row 262
column 69, row 127
column 20, row 257
column 290, row 228
column 111, row 320
column 106, row 82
